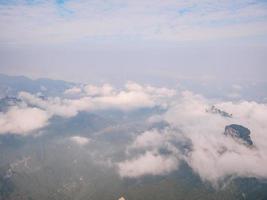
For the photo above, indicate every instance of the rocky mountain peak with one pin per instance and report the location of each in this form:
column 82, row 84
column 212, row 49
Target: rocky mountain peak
column 239, row 132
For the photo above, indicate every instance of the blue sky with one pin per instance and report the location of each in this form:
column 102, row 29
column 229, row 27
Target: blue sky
column 100, row 39
column 31, row 22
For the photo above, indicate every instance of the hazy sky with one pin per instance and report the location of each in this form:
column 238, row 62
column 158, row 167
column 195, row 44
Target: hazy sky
column 142, row 40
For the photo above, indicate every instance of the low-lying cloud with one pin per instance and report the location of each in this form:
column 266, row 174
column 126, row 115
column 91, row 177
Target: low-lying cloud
column 215, row 156
column 80, row 140
column 92, row 98
column 22, row 120
column 191, row 133
column 89, row 98
column 212, row 155
column 148, row 164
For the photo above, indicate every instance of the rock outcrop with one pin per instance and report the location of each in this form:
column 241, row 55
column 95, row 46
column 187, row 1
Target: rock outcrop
column 218, row 111
column 239, row 132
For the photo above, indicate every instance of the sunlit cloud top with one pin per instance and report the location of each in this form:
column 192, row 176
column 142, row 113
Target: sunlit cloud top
column 31, row 22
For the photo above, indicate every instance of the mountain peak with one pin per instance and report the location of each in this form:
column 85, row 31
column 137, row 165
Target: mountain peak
column 239, row 132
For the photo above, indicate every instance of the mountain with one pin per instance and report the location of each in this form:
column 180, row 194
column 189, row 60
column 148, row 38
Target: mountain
column 215, row 110
column 11, row 85
column 239, row 132
column 49, row 164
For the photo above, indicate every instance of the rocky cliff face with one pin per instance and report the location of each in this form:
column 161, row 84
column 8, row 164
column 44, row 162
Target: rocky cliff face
column 239, row 132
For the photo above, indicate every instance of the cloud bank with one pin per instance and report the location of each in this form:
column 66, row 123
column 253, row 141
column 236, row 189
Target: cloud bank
column 211, row 154
column 36, row 110
column 90, row 98
column 191, row 133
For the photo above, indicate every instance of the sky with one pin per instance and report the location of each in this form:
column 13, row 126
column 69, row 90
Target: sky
column 145, row 41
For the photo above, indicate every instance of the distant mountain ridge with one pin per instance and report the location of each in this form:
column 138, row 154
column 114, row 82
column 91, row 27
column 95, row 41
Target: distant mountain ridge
column 10, row 85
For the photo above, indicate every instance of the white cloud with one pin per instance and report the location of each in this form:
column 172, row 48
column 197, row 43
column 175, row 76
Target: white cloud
column 55, row 105
column 22, row 120
column 156, row 139
column 103, row 90
column 101, row 97
column 125, row 101
column 152, row 162
column 80, row 140
column 148, row 164
column 171, row 20
column 215, row 156
column 149, row 139
column 73, row 91
column 212, row 155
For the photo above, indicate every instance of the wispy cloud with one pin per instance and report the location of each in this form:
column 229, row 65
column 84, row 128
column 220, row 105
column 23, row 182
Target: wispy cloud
column 148, row 164
column 62, row 21
column 80, row 140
